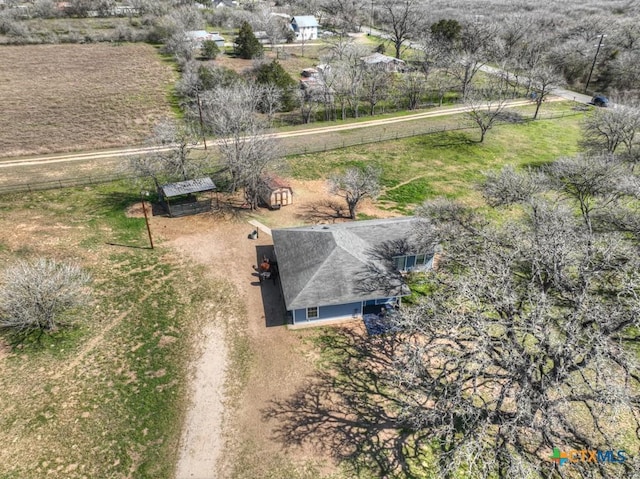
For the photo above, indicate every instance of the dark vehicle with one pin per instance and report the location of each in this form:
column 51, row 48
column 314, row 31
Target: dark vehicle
column 600, row 100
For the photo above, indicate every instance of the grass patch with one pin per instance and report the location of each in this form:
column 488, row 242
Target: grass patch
column 446, row 163
column 105, row 399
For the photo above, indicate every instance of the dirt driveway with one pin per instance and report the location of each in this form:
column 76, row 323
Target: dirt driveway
column 218, row 425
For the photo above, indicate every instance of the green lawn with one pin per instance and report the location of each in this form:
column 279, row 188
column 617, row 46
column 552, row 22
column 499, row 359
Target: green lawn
column 106, row 398
column 447, row 163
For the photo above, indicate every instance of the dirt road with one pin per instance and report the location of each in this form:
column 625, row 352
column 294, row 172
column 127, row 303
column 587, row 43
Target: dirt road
column 202, row 440
column 126, row 152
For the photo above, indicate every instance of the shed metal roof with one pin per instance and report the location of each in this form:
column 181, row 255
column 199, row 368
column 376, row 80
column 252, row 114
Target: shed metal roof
column 204, row 35
column 375, row 58
column 185, row 187
column 304, row 21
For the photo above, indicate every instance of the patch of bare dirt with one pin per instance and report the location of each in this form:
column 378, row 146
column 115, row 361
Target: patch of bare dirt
column 71, row 96
column 281, row 359
column 5, row 349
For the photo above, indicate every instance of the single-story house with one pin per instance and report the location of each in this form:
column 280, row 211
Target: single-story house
column 124, row 11
column 339, row 271
column 198, row 37
column 275, row 192
column 305, row 27
column 225, row 4
column 389, row 64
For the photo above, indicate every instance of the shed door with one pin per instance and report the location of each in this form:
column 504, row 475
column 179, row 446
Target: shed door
column 278, row 200
column 285, row 197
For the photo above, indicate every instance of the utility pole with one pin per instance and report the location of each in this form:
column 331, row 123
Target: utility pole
column 595, row 57
column 204, row 138
column 371, row 20
column 146, row 218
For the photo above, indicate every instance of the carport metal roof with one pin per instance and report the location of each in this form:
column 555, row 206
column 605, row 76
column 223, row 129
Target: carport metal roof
column 185, row 187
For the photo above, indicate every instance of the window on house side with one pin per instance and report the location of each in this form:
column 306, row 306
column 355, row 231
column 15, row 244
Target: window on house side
column 312, row 313
column 400, row 263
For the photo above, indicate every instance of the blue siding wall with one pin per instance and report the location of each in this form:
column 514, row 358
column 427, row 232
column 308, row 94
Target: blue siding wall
column 341, row 310
column 329, row 312
column 411, row 262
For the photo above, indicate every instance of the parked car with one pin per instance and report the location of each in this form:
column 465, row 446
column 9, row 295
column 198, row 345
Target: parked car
column 600, row 100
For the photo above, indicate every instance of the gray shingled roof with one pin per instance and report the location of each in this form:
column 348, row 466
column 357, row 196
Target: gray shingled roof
column 319, row 265
column 185, row 187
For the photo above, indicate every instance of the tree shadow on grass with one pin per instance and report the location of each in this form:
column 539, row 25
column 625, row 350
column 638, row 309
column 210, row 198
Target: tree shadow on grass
column 447, row 140
column 117, row 201
column 347, row 410
column 39, row 339
column 323, row 211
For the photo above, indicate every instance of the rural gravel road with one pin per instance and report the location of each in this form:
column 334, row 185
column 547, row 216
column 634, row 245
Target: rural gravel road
column 134, row 151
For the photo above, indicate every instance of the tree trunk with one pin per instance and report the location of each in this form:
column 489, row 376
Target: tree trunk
column 538, row 105
column 352, row 209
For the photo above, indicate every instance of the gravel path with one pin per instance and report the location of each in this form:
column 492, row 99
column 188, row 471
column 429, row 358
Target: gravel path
column 201, row 442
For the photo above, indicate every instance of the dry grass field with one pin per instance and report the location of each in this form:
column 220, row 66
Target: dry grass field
column 80, row 97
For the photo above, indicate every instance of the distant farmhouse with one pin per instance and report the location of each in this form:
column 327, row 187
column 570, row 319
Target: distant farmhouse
column 225, row 4
column 305, row 27
column 326, row 270
column 198, row 37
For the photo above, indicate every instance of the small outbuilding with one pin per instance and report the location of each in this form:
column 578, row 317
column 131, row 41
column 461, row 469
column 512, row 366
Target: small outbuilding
column 275, row 192
column 180, row 199
column 384, row 62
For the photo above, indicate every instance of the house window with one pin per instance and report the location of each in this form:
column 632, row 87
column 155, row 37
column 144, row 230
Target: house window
column 312, row 313
column 400, row 263
column 407, row 263
column 385, row 300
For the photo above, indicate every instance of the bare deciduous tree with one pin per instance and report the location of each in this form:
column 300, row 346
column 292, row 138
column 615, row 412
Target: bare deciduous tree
column 524, row 325
column 354, row 185
column 376, row 85
column 543, row 79
column 485, row 109
column 402, row 18
column 516, row 334
column 412, row 87
column 346, row 15
column 35, row 295
column 170, row 159
column 474, row 49
column 593, row 182
column 510, row 186
column 247, row 151
column 608, row 128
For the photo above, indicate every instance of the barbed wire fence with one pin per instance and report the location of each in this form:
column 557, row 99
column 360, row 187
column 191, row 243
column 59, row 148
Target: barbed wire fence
column 293, row 146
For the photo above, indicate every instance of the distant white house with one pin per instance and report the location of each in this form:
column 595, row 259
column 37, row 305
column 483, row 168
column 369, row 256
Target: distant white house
column 124, row 10
column 198, row 37
column 225, row 4
column 305, row 27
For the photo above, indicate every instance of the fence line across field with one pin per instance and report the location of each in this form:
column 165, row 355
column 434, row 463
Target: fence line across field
column 334, row 141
